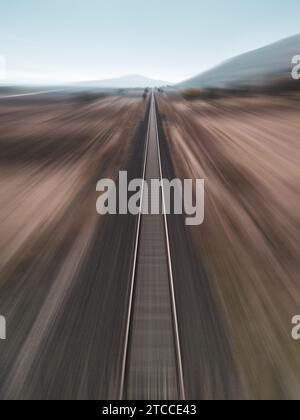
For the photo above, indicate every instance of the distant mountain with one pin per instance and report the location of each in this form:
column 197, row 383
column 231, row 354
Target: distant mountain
column 255, row 67
column 125, row 82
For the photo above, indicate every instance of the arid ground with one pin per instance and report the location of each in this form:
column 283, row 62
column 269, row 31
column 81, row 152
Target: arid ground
column 65, row 270
column 247, row 150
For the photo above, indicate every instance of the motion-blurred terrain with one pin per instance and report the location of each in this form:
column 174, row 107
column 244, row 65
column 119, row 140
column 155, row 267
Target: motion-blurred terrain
column 54, row 149
column 258, row 68
column 65, row 271
column 247, row 150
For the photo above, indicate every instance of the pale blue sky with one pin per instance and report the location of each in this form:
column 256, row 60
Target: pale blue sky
column 57, row 40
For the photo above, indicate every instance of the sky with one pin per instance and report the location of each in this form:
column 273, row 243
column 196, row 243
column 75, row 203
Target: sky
column 52, row 41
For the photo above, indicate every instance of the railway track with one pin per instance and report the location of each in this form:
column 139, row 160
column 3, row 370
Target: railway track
column 152, row 365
